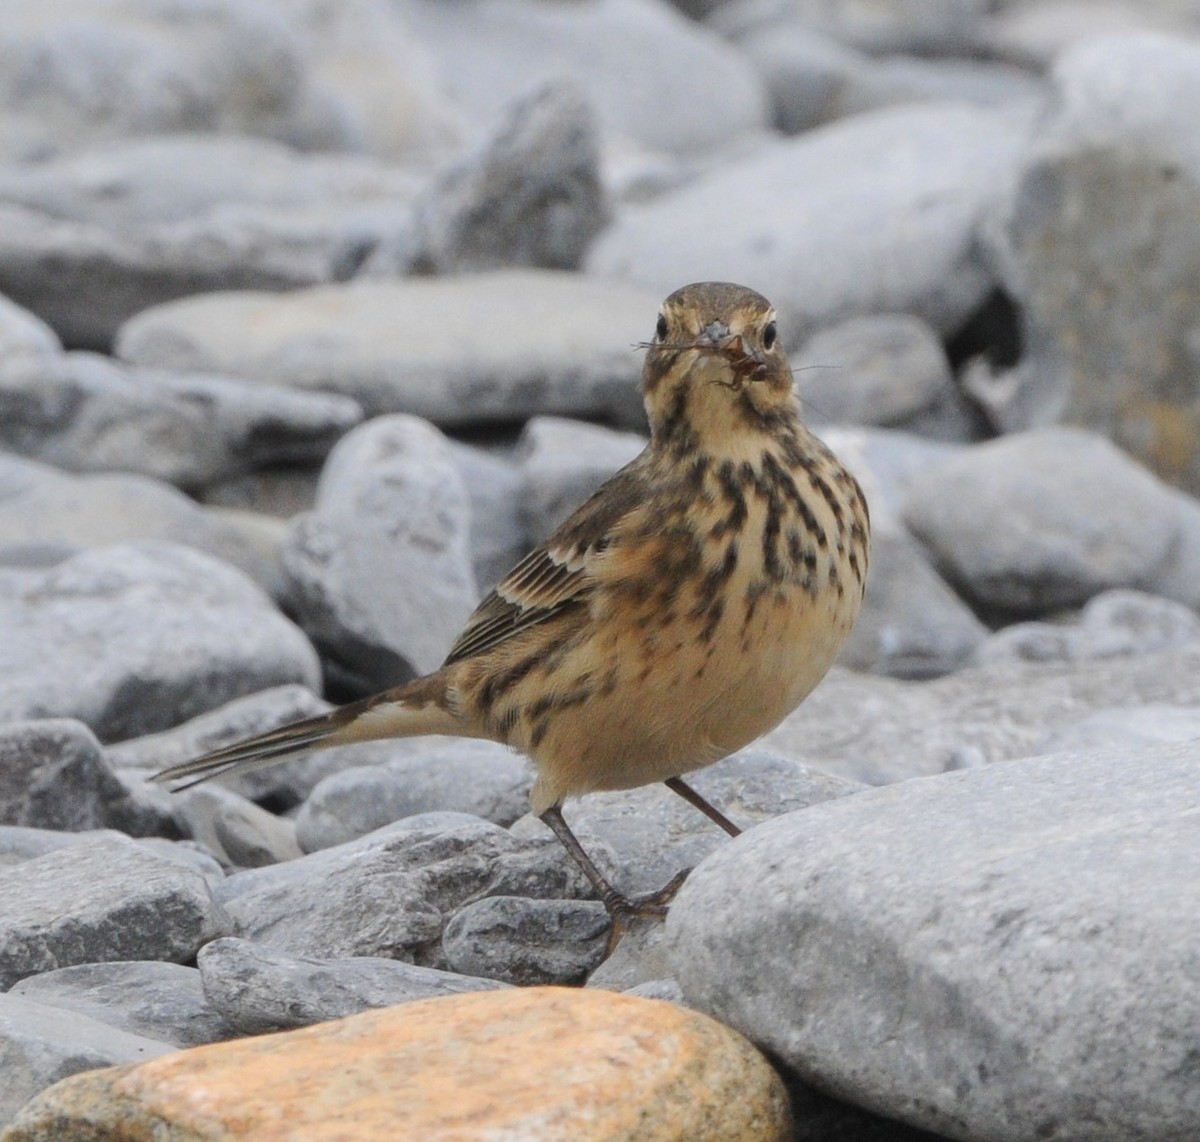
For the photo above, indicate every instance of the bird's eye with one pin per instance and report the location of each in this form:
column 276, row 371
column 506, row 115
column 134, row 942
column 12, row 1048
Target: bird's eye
column 660, row 330
column 769, row 334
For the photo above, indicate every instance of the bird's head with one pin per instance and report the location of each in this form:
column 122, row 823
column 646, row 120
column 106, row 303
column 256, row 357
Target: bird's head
column 715, row 369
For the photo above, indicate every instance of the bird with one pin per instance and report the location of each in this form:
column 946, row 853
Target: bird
column 684, row 610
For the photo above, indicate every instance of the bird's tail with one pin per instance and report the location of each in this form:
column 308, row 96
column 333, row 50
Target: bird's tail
column 417, row 708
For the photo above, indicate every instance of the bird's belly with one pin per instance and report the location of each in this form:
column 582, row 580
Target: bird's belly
column 670, row 701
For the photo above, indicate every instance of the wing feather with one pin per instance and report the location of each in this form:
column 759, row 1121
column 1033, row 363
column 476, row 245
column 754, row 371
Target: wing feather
column 556, row 576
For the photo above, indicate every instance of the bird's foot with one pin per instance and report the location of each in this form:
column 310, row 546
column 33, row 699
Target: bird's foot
column 624, row 909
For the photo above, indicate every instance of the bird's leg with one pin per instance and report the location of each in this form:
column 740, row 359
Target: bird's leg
column 678, row 785
column 621, row 908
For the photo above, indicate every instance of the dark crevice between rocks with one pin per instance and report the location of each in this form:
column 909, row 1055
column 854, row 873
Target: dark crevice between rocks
column 993, row 331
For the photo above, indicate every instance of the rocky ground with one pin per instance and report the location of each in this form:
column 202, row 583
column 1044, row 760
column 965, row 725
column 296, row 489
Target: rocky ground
column 314, row 317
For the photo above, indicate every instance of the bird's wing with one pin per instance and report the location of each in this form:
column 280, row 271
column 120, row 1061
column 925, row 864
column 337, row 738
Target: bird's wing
column 556, row 576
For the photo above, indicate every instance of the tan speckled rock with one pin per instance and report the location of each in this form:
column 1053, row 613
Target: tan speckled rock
column 538, row 1063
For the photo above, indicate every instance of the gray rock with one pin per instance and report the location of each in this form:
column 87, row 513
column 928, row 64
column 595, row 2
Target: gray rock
column 922, row 27
column 387, row 894
column 871, row 214
column 665, row 989
column 24, row 842
column 260, row 989
column 460, row 350
column 101, row 900
column 562, row 463
column 380, row 572
column 888, row 370
column 497, row 537
column 84, row 413
column 185, row 853
column 47, row 515
column 24, row 334
column 482, row 778
column 40, row 1044
column 640, row 959
column 878, row 730
column 136, row 637
column 234, row 830
column 969, row 987
column 137, row 223
column 159, row 1000
column 135, row 68
column 521, row 941
column 1025, row 523
column 812, row 78
column 1131, row 728
column 284, row 785
column 627, row 56
column 1035, row 35
column 1096, row 242
column 277, row 492
column 53, row 775
column 886, row 461
column 655, row 833
column 384, row 85
column 532, row 196
column 912, row 625
column 1114, row 623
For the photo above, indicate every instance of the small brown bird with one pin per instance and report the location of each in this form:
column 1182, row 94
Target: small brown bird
column 684, row 610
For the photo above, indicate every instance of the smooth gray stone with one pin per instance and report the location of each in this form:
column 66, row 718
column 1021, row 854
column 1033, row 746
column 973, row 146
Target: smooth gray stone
column 48, row 515
column 655, row 833
column 466, row 349
column 484, row 779
column 497, row 538
column 1004, row 953
column 888, row 370
column 1112, row 624
column 1132, row 728
column 665, row 989
column 24, row 334
column 101, row 900
column 40, row 1044
column 651, row 75
column 878, row 729
column 24, row 842
column 870, row 214
column 388, row 893
column 135, row 68
column 1025, row 523
column 286, row 784
column 159, row 1000
column 1095, row 240
column 523, row 941
column 921, row 27
column 259, row 989
column 53, row 775
column 131, row 223
column 638, row 960
column 138, row 636
column 380, row 570
column 812, row 78
column 1035, row 35
column 912, row 624
column 562, row 462
column 85, row 413
column 532, row 195
column 886, row 461
column 236, row 831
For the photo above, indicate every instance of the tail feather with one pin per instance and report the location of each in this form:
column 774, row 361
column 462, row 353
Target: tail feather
column 405, row 712
column 282, row 744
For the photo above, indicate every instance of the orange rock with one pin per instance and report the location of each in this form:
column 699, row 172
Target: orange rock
column 526, row 1064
